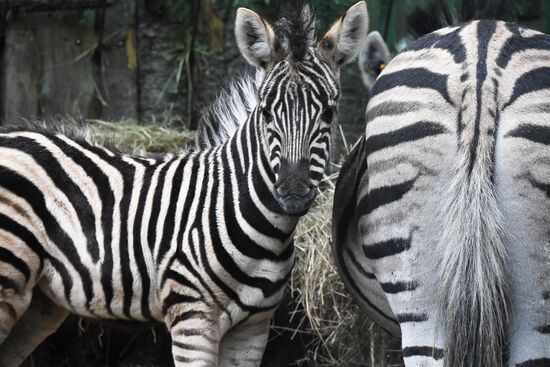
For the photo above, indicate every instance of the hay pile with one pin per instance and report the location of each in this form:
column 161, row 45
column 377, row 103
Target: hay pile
column 139, row 138
column 342, row 334
column 338, row 332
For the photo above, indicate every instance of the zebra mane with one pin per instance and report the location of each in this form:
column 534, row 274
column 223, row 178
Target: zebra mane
column 297, row 28
column 220, row 120
column 73, row 128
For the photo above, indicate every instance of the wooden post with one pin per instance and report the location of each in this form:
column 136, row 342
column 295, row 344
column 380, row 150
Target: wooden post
column 20, row 72
column 119, row 62
column 160, row 46
column 65, row 47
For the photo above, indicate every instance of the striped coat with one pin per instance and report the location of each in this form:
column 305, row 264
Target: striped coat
column 441, row 209
column 200, row 240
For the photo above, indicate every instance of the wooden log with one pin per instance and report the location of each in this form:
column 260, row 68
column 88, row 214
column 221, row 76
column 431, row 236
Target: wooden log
column 56, row 5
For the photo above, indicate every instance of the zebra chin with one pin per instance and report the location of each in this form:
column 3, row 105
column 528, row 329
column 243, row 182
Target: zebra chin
column 297, row 205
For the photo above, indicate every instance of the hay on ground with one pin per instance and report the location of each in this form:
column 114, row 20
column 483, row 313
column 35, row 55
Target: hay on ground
column 342, row 334
column 140, row 138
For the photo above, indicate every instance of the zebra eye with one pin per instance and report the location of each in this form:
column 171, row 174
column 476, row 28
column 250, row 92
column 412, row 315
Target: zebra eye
column 328, row 114
column 267, row 115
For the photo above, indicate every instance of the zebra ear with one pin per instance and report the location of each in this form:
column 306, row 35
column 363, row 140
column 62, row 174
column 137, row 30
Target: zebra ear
column 342, row 42
column 256, row 39
column 373, row 58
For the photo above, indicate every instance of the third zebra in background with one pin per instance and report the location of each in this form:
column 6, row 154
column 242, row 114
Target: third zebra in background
column 440, row 223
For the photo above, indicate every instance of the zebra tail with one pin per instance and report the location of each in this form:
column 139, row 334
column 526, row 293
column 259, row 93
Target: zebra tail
column 473, row 293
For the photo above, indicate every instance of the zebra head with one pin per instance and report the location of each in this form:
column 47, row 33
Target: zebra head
column 298, row 92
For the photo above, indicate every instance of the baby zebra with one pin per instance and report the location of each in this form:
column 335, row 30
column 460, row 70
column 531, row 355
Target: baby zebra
column 202, row 240
column 440, row 223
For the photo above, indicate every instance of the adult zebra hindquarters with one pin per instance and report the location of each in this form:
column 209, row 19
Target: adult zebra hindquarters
column 473, row 286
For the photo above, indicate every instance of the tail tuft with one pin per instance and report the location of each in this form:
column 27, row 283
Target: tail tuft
column 473, row 293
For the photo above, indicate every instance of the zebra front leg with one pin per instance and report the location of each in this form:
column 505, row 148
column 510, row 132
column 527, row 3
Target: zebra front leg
column 41, row 319
column 195, row 339
column 244, row 344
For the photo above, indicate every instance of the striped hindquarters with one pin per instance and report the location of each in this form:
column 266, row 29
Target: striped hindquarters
column 80, row 208
column 427, row 215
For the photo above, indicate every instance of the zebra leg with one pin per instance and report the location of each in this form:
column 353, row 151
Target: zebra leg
column 244, row 344
column 12, row 305
column 195, row 339
column 529, row 316
column 41, row 319
column 419, row 347
column 15, row 290
column 523, row 179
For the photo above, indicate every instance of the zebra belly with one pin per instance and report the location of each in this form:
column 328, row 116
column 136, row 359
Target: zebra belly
column 51, row 284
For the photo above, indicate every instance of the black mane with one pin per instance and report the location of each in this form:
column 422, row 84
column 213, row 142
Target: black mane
column 297, row 28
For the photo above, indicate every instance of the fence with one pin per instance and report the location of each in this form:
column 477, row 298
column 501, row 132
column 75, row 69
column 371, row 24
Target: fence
column 111, row 59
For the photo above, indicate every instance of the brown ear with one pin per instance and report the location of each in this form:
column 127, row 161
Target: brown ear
column 256, row 39
column 345, row 38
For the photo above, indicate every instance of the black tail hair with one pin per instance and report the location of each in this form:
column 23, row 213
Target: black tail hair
column 439, row 14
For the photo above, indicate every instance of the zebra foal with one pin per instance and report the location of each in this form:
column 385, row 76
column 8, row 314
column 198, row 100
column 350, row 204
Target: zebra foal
column 202, row 240
column 440, row 222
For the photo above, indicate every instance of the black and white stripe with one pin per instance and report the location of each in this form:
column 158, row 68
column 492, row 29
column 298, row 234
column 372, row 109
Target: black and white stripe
column 441, row 209
column 200, row 240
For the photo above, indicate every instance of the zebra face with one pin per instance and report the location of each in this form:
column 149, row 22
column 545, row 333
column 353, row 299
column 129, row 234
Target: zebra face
column 298, row 106
column 298, row 93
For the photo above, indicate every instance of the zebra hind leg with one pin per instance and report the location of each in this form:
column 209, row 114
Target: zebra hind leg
column 14, row 299
column 42, row 318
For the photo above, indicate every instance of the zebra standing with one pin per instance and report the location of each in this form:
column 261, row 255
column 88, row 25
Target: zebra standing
column 201, row 240
column 440, row 223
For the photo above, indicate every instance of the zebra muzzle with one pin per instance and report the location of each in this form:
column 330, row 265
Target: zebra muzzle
column 294, row 192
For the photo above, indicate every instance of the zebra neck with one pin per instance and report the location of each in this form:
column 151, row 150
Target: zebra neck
column 248, row 156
